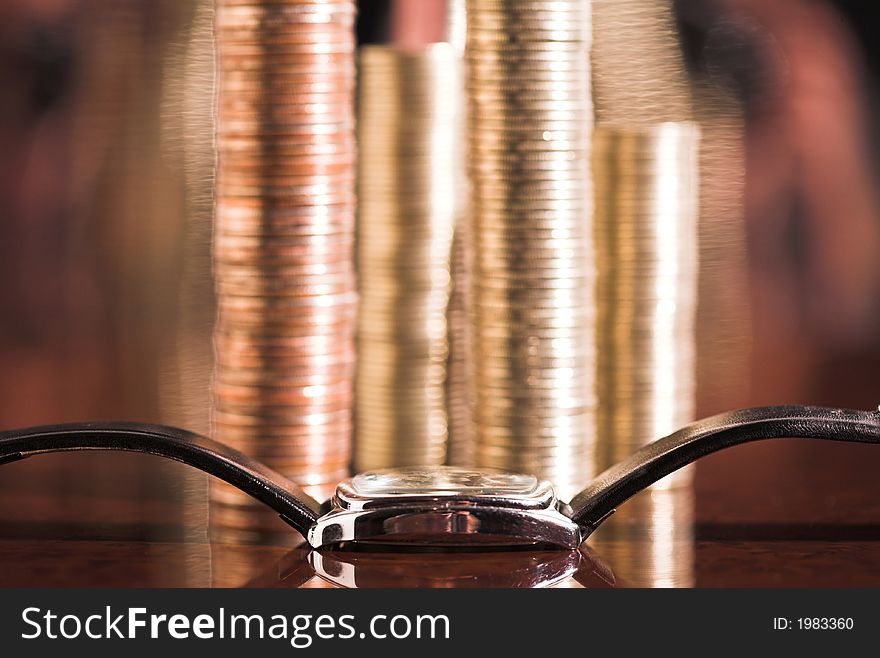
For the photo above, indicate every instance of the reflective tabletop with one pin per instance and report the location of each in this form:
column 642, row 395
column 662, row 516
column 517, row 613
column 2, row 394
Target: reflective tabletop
column 107, row 309
column 787, row 514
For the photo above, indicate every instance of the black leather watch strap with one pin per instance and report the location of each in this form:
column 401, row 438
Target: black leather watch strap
column 595, row 503
column 295, row 506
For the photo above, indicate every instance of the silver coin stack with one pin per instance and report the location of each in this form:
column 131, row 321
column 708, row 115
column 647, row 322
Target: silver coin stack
column 284, row 243
column 724, row 333
column 638, row 72
column 647, row 187
column 408, row 197
column 533, row 310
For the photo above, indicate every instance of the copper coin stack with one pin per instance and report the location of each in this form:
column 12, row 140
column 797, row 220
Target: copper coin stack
column 407, row 206
column 533, row 311
column 284, row 242
column 647, row 187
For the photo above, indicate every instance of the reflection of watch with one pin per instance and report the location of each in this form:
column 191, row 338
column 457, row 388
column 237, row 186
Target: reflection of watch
column 442, row 506
column 437, row 569
column 507, row 569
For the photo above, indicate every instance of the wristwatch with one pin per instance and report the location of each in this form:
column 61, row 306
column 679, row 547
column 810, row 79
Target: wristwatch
column 440, row 506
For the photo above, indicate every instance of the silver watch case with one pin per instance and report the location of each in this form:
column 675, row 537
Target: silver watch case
column 445, row 506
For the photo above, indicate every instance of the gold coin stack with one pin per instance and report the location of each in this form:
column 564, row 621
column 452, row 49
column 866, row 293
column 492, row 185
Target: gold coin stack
column 533, row 312
column 408, row 202
column 460, row 447
column 647, row 187
column 284, row 242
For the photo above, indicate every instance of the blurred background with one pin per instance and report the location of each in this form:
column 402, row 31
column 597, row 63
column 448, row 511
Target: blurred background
column 106, row 184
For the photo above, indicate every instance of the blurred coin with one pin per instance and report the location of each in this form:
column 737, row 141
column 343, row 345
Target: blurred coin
column 284, row 240
column 409, row 115
column 533, row 268
column 646, row 237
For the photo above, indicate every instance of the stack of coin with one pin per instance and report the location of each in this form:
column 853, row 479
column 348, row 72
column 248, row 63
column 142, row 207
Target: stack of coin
column 723, row 312
column 647, row 187
column 461, row 448
column 639, row 73
column 408, row 199
column 533, row 311
column 284, row 241
column 456, row 24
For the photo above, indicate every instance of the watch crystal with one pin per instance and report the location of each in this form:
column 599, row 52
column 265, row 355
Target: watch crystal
column 443, row 480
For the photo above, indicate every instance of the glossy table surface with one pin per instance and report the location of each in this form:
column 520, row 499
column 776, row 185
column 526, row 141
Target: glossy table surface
column 787, row 513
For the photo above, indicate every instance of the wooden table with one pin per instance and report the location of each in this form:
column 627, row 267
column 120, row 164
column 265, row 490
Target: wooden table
column 789, row 513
